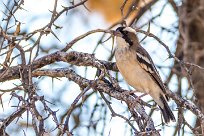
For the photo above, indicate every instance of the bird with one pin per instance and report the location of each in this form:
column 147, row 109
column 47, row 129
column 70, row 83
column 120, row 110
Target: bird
column 138, row 69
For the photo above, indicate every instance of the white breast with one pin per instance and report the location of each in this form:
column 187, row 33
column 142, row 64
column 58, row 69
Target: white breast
column 131, row 71
column 121, row 43
column 128, row 68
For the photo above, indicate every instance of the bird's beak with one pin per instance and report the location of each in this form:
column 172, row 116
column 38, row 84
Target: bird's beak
column 117, row 33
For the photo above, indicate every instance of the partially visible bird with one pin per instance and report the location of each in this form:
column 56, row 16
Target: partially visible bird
column 138, row 69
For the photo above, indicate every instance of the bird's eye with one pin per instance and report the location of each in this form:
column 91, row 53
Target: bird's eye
column 125, row 32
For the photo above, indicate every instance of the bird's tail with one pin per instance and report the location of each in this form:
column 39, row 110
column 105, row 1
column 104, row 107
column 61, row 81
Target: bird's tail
column 166, row 111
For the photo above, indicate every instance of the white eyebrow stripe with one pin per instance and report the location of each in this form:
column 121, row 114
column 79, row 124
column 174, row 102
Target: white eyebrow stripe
column 129, row 29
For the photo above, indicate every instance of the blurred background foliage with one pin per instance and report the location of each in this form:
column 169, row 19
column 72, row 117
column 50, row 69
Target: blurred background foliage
column 91, row 115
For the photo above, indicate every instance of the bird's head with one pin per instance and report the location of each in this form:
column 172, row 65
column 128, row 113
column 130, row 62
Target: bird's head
column 126, row 35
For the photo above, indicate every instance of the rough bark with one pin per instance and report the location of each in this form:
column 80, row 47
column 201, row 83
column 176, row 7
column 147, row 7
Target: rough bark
column 191, row 34
column 192, row 30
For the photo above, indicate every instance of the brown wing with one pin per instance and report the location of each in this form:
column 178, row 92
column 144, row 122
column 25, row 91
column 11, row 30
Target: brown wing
column 147, row 64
